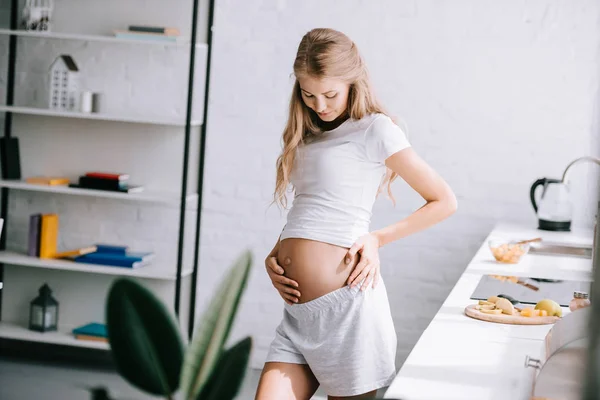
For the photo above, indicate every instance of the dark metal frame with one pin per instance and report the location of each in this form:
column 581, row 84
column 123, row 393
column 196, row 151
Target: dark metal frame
column 4, row 192
column 209, row 40
column 10, row 97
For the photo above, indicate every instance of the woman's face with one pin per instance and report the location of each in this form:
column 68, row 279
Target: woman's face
column 327, row 97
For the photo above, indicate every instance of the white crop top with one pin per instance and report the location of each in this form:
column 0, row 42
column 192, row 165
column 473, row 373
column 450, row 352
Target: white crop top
column 336, row 177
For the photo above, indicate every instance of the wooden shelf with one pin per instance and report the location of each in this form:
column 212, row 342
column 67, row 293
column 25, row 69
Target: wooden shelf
column 63, row 336
column 96, row 116
column 149, row 271
column 145, row 196
column 98, row 38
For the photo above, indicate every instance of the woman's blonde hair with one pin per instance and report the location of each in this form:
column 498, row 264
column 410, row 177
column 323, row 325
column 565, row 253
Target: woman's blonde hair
column 324, row 53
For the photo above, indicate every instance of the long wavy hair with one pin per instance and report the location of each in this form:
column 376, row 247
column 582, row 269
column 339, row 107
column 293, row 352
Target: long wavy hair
column 324, row 53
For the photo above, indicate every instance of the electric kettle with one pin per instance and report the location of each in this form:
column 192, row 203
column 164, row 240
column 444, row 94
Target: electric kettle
column 554, row 209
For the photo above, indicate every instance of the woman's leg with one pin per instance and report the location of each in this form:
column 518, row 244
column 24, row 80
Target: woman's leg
column 368, row 395
column 286, row 381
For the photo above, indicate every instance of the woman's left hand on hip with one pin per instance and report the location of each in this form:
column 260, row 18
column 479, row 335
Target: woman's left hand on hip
column 368, row 266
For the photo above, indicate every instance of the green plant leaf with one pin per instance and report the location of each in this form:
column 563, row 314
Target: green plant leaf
column 228, row 375
column 213, row 328
column 144, row 338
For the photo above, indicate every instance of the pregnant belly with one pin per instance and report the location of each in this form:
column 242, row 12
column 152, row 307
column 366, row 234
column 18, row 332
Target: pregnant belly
column 318, row 267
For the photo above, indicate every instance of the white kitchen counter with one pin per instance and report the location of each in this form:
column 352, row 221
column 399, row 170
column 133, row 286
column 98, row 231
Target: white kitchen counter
column 461, row 358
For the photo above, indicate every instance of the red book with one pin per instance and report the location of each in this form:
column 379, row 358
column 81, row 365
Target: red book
column 108, row 175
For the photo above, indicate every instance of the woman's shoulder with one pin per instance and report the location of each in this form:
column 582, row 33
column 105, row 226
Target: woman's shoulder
column 373, row 119
column 368, row 119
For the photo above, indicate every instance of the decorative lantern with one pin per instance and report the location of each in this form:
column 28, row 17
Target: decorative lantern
column 43, row 313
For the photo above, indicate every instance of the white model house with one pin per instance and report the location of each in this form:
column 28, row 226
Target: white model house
column 64, row 76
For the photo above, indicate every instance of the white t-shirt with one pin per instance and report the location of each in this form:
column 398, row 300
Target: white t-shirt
column 336, row 177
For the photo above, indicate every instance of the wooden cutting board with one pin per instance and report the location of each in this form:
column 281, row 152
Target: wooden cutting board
column 508, row 319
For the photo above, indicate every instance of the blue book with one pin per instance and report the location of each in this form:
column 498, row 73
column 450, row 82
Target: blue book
column 91, row 329
column 129, row 260
column 110, row 248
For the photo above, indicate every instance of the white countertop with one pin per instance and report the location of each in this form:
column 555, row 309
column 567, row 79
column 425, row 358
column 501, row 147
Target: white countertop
column 461, row 358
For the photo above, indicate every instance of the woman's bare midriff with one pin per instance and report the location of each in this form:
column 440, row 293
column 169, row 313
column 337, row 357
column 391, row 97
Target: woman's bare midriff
column 318, row 267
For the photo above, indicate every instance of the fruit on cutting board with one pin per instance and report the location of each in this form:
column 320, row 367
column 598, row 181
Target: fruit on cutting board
column 531, row 312
column 527, row 312
column 506, row 306
column 500, row 306
column 496, row 311
column 550, row 306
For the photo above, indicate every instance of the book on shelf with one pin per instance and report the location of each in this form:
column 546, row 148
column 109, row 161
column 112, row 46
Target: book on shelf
column 33, row 243
column 116, row 256
column 108, row 175
column 76, row 252
column 101, row 183
column 47, row 180
column 112, row 260
column 111, row 248
column 91, row 331
column 125, row 34
column 91, row 338
column 11, row 159
column 48, row 235
column 165, row 30
column 126, row 189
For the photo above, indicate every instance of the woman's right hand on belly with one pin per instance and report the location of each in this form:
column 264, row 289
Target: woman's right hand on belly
column 286, row 287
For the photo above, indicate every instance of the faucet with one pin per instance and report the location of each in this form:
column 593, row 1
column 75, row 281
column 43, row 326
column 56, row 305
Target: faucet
column 577, row 161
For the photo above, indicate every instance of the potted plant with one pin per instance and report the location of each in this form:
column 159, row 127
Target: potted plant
column 149, row 351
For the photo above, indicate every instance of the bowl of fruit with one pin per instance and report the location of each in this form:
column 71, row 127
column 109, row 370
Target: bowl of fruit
column 510, row 252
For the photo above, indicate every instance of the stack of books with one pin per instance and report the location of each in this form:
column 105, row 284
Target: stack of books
column 145, row 32
column 115, row 256
column 110, row 181
column 93, row 331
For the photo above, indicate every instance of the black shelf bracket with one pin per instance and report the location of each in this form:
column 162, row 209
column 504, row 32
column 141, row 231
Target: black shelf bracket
column 10, row 98
column 201, row 150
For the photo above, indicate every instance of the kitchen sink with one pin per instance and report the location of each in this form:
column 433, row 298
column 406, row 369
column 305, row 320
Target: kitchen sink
column 561, row 249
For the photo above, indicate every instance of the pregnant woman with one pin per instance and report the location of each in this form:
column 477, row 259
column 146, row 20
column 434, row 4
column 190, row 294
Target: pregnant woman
column 340, row 150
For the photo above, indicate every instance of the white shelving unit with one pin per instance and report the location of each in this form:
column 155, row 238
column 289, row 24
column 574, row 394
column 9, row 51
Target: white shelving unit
column 166, row 198
column 96, row 116
column 98, row 38
column 62, row 337
column 82, row 287
column 150, row 271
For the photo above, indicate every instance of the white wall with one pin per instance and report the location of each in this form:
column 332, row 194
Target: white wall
column 495, row 95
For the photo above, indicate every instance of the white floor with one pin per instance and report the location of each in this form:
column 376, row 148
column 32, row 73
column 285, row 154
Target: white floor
column 24, row 380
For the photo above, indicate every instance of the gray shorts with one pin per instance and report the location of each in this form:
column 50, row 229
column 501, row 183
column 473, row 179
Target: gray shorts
column 346, row 337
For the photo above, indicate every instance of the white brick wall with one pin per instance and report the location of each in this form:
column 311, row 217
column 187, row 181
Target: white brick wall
column 495, row 95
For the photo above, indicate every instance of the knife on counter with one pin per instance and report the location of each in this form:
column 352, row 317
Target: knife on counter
column 516, row 280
